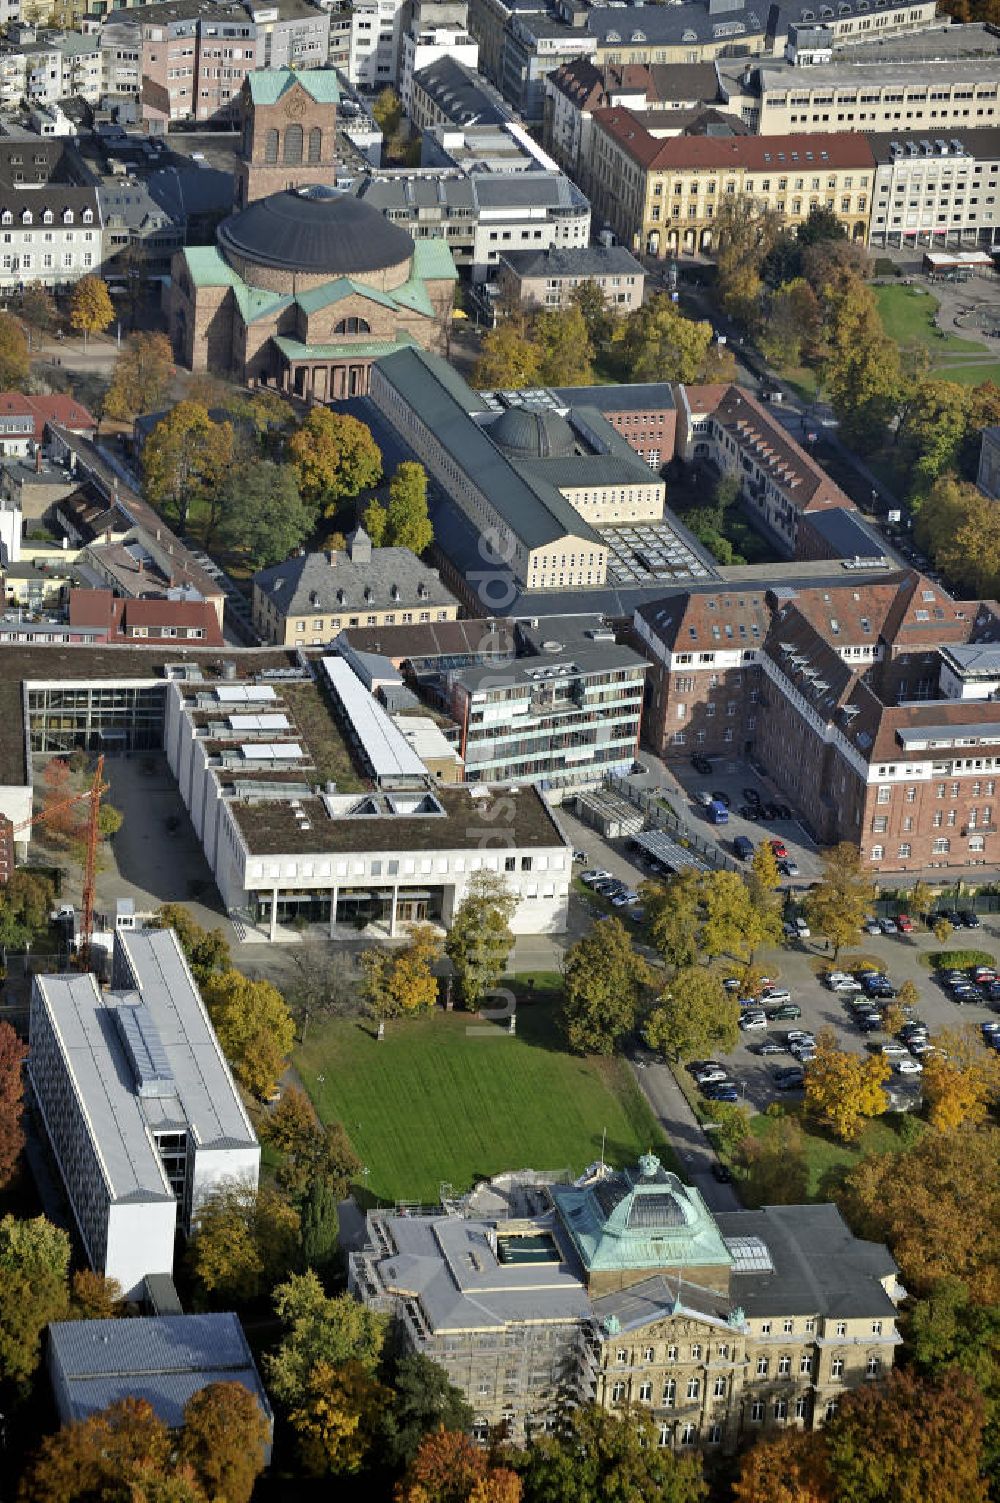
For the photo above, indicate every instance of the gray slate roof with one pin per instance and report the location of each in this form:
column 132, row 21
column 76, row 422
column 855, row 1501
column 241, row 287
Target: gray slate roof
column 461, row 94
column 589, row 261
column 163, row 1359
column 537, row 513
column 637, row 396
column 820, row 1268
column 316, row 231
column 293, row 585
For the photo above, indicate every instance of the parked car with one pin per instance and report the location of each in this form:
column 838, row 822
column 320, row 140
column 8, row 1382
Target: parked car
column 788, row 868
column 871, row 926
column 743, row 847
column 802, row 928
column 722, row 1172
column 799, row 1036
column 784, row 812
column 732, row 983
column 724, row 1091
column 804, row 1053
column 908, row 1066
column 703, row 798
column 701, row 764
column 904, row 923
column 847, row 988
column 708, row 1071
column 888, row 926
column 787, row 1012
column 793, row 1080
column 595, row 875
column 778, row 847
column 970, row 920
column 893, row 1051
column 751, row 795
column 581, row 856
column 767, row 1046
column 753, row 1022
column 775, row 994
column 722, row 798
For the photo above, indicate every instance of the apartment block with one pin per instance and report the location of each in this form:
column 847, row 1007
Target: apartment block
column 660, row 193
column 547, row 278
column 137, row 1103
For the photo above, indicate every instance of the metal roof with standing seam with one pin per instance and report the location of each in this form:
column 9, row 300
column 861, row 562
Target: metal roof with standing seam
column 386, row 749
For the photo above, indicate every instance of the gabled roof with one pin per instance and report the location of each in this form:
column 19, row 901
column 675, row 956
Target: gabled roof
column 752, row 153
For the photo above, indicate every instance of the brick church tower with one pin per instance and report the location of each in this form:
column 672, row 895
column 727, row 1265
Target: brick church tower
column 288, row 133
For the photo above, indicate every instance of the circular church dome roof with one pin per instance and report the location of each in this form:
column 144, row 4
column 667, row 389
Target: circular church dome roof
column 315, row 231
column 533, row 434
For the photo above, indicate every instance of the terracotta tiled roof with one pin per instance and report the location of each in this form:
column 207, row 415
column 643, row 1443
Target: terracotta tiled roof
column 753, row 153
column 52, row 409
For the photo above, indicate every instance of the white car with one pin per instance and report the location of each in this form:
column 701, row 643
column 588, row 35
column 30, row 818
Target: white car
column 775, row 994
column 625, row 900
column 797, row 1036
column 871, row 926
column 709, row 1074
column 595, row 875
column 833, row 978
column 908, row 1066
column 753, row 1022
column 703, row 798
column 848, row 987
column 802, row 928
column 894, row 1051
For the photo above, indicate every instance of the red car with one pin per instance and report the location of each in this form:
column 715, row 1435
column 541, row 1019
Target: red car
column 778, row 847
column 904, row 924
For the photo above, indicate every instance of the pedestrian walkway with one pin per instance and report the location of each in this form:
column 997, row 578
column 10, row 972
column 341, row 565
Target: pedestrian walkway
column 690, row 1142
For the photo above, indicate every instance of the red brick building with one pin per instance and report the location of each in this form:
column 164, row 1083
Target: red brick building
column 869, row 702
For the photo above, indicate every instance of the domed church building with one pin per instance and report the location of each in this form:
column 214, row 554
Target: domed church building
column 305, row 286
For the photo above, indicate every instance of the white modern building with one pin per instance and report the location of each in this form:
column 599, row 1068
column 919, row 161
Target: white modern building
column 286, row 845
column 437, row 28
column 936, row 188
column 374, row 43
column 140, row 1110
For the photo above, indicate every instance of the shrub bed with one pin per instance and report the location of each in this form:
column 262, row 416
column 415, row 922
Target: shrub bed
column 960, row 960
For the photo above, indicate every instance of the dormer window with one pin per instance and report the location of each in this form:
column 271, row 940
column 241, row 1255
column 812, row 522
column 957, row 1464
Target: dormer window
column 47, row 217
column 26, row 217
column 6, row 217
column 67, row 216
column 88, row 215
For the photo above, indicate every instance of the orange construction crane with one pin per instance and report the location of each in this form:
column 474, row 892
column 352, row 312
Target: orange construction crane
column 91, row 796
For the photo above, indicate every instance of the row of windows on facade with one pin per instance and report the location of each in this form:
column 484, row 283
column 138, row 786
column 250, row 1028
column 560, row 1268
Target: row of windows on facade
column 696, row 1351
column 406, row 618
column 940, row 847
column 24, row 262
column 952, row 790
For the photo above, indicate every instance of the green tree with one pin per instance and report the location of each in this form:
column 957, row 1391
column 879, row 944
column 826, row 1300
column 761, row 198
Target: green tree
column 948, row 1331
column 821, row 223
column 206, row 950
column 694, row 1015
column 224, row 1441
column 320, row 1226
column 603, row 980
column 263, row 515
column 387, row 112
column 563, row 339
column 184, row 459
column 793, row 324
column 423, row 1400
column 34, row 1269
column 657, row 343
column 254, row 1027
column 407, row 522
column 109, row 821
column 601, row 1457
column 730, row 1126
column 402, row 982
column 931, row 434
column 91, row 309
column 480, row 939
column 960, row 529
column 745, row 233
column 245, row 1239
column 509, row 359
column 861, row 371
column 673, row 916
column 920, row 900
column 982, row 411
column 142, row 377
column 320, row 1327
column 15, row 361
column 311, row 1151
column 740, row 916
column 837, row 905
column 908, row 1440
column 25, row 903
column 375, row 520
column 334, row 456
column 844, row 1088
column 598, row 314
column 775, row 1166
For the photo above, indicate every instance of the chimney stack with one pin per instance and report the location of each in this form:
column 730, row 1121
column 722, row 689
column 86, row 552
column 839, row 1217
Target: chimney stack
column 38, row 459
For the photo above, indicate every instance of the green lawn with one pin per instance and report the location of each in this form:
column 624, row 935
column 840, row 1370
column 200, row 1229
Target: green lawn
column 973, row 373
column 447, row 1098
column 908, row 318
column 828, row 1159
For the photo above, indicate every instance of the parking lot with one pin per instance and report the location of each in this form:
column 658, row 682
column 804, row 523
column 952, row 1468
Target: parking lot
column 796, row 968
